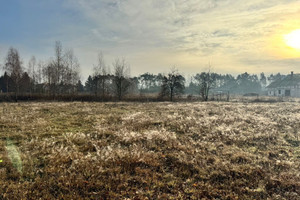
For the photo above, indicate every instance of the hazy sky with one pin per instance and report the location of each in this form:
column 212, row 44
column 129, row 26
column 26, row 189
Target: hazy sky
column 153, row 35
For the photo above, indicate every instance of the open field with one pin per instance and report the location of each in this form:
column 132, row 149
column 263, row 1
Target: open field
column 150, row 150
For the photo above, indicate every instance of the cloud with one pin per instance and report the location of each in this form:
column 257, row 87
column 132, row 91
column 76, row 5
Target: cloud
column 235, row 29
column 237, row 35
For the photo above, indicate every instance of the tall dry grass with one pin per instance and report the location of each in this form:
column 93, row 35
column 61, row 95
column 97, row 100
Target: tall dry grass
column 149, row 150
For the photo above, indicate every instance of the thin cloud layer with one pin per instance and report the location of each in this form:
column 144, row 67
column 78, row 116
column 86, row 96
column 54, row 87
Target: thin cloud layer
column 234, row 35
column 238, row 30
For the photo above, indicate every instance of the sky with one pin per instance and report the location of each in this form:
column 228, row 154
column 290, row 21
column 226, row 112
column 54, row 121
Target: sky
column 231, row 36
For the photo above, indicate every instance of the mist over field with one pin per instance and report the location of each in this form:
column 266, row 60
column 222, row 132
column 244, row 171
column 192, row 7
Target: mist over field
column 59, row 79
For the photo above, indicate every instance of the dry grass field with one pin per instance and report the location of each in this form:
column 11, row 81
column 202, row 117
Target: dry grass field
column 150, row 150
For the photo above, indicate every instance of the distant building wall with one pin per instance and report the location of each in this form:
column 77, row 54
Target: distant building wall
column 281, row 92
column 295, row 92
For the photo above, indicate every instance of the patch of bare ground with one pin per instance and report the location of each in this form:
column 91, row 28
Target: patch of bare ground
column 149, row 150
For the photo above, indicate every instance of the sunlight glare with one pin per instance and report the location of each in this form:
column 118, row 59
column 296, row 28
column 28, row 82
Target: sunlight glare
column 293, row 39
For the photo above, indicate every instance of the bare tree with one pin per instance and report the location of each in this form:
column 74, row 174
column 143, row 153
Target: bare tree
column 101, row 76
column 55, row 71
column 39, row 72
column 100, row 68
column 71, row 70
column 57, row 67
column 13, row 65
column 172, row 84
column 31, row 72
column 61, row 73
column 205, row 81
column 49, row 76
column 39, row 78
column 31, row 67
column 121, row 75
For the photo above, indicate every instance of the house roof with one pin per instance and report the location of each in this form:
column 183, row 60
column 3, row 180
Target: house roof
column 289, row 80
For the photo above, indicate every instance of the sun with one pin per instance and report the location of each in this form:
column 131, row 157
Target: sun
column 293, row 39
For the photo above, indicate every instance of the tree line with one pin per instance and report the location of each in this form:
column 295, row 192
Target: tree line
column 60, row 75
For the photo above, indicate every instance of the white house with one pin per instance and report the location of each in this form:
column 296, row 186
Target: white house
column 289, row 86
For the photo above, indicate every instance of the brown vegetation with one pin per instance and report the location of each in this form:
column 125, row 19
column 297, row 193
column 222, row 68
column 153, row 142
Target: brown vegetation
column 149, row 151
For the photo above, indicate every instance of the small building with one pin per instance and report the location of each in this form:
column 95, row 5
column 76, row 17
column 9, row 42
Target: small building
column 289, row 86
